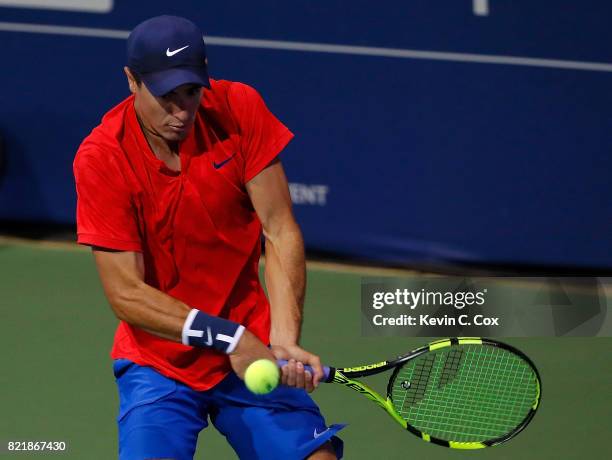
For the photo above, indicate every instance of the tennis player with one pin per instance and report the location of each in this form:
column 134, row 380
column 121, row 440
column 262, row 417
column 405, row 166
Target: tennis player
column 174, row 189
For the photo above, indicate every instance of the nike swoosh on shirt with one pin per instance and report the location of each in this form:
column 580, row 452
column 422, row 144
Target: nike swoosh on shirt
column 172, row 53
column 316, row 435
column 222, row 163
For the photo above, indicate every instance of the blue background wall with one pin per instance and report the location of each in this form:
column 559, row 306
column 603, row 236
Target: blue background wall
column 441, row 158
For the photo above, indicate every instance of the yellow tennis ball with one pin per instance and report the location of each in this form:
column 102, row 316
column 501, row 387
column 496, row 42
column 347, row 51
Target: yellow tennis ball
column 262, row 376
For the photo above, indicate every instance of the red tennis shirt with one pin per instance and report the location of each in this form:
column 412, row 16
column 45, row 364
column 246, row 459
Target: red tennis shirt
column 197, row 230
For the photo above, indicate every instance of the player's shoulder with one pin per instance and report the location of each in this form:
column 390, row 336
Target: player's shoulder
column 230, row 87
column 102, row 145
column 231, row 93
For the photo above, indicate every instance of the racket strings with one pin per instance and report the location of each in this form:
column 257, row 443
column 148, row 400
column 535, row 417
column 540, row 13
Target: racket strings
column 473, row 412
column 418, row 384
column 451, row 366
column 472, row 393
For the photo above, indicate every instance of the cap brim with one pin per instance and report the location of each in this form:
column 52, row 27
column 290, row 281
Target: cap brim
column 160, row 83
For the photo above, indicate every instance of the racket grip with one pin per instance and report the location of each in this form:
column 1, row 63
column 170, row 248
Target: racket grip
column 326, row 369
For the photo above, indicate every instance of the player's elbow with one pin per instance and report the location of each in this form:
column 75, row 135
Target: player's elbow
column 123, row 300
column 121, row 311
column 282, row 229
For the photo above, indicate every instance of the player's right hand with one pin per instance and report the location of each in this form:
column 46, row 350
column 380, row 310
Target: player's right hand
column 248, row 350
column 294, row 373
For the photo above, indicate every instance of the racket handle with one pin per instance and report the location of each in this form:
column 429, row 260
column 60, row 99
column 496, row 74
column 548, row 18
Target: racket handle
column 326, row 370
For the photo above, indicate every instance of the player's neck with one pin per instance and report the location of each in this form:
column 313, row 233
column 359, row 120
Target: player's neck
column 160, row 147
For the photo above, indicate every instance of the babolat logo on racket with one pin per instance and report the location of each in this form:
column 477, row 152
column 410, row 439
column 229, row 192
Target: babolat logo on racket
column 364, row 368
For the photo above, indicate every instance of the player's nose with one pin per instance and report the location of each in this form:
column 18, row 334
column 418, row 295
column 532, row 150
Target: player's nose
column 182, row 115
column 182, row 110
column 179, row 112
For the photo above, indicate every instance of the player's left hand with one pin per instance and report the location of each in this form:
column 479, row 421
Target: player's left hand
column 293, row 373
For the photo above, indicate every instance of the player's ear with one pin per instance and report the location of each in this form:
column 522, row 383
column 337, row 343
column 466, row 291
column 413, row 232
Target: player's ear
column 131, row 80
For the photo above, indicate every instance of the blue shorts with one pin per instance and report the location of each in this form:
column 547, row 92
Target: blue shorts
column 161, row 418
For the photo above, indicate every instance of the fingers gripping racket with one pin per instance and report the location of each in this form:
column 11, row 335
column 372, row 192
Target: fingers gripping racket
column 463, row 393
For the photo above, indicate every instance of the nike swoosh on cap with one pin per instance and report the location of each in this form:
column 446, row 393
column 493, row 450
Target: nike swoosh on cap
column 172, row 53
column 316, row 435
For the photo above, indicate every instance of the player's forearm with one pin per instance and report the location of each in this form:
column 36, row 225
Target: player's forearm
column 134, row 301
column 145, row 307
column 162, row 315
column 285, row 273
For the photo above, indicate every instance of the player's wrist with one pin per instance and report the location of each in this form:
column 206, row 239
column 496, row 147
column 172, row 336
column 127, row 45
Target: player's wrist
column 207, row 331
column 286, row 344
column 284, row 338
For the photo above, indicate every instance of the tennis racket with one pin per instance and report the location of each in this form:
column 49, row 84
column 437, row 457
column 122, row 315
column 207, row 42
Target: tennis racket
column 463, row 393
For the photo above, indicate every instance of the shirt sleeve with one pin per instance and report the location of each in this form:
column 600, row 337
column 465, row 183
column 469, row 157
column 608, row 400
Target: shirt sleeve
column 105, row 214
column 263, row 136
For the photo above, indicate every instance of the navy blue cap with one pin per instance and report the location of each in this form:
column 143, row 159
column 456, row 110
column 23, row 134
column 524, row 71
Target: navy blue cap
column 166, row 52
